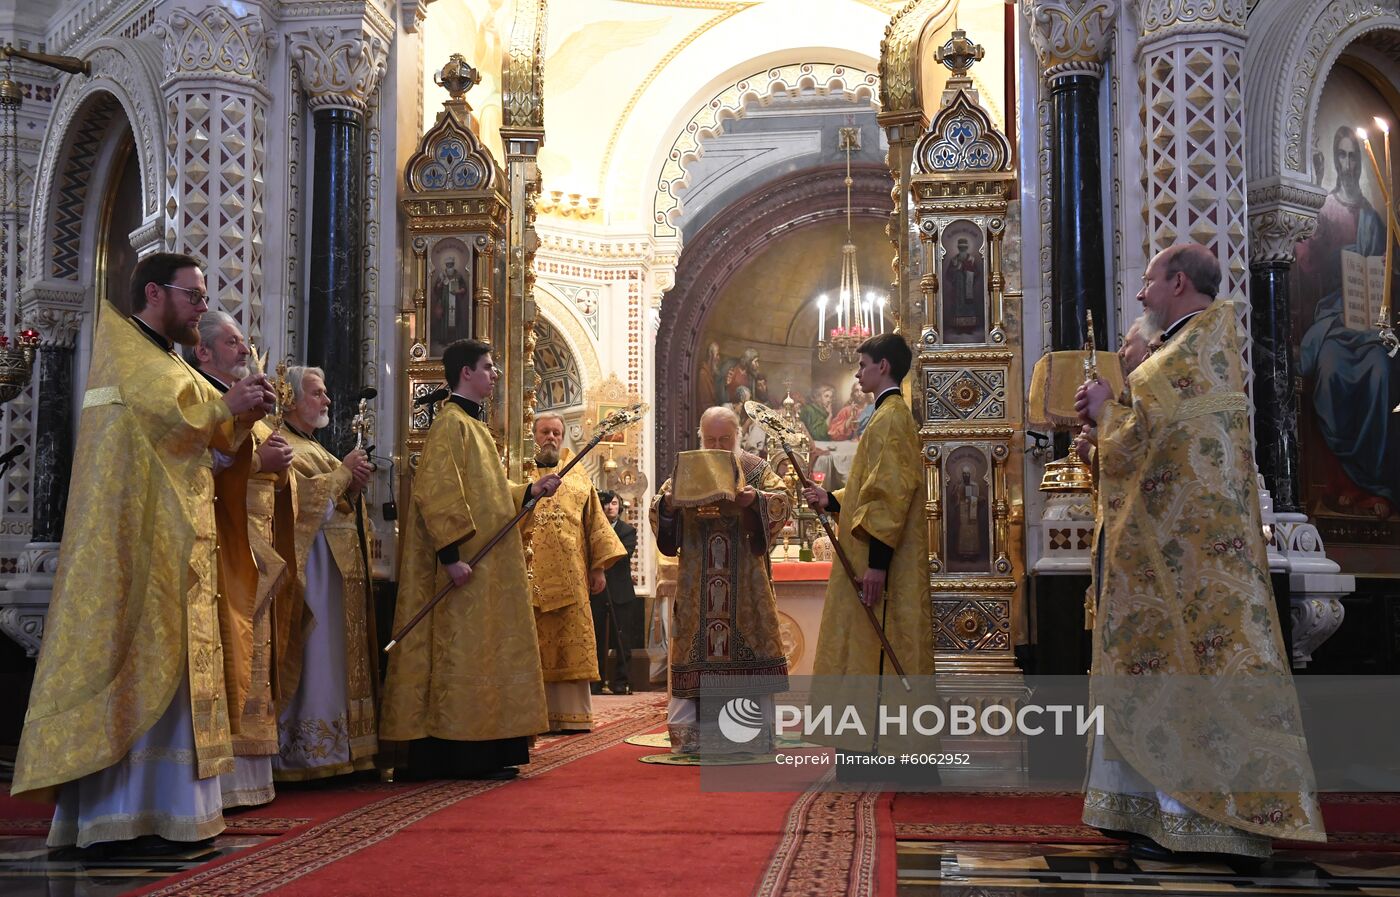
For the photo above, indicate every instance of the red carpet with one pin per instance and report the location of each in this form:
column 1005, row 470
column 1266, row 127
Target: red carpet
column 584, row 819
column 1354, row 821
column 296, row 805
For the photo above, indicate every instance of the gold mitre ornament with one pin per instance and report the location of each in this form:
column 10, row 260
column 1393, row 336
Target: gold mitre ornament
column 1056, row 379
column 704, row 477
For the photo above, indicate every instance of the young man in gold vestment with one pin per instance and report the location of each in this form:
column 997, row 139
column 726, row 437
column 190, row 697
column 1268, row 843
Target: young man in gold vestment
column 464, row 687
column 880, row 517
column 572, row 544
column 725, row 639
column 328, row 662
column 1203, row 747
column 249, row 487
column 128, row 718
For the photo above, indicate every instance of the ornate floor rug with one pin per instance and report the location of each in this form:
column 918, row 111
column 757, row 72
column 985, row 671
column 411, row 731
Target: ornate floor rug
column 1354, row 821
column 283, row 861
column 585, row 819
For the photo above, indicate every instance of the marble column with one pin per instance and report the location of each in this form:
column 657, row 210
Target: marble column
column 1275, row 403
column 55, row 419
column 334, row 316
column 341, row 59
column 1071, row 39
column 1280, row 217
column 1077, row 228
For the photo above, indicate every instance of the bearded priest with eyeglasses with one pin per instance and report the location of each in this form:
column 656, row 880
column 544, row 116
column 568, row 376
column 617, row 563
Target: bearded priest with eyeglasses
column 128, row 723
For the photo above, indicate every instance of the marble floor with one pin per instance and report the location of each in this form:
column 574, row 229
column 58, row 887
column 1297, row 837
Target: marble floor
column 948, row 869
column 29, row 869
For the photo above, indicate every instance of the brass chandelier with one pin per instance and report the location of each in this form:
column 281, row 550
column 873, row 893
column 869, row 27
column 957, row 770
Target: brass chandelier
column 856, row 317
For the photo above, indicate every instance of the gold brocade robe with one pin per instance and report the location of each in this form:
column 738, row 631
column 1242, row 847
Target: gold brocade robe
column 569, row 535
column 725, row 638
column 470, row 671
column 238, row 585
column 133, row 609
column 272, row 538
column 1189, row 662
column 884, row 499
column 319, row 478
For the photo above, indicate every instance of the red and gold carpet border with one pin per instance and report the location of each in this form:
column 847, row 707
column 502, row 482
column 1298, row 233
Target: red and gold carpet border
column 280, row 862
column 829, row 846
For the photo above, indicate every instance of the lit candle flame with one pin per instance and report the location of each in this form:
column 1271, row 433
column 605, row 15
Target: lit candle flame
column 1361, row 135
column 1382, row 124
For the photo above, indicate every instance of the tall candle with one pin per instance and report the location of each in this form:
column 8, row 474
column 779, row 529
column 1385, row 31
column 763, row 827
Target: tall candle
column 821, row 318
column 882, row 314
column 1389, row 218
column 1387, row 192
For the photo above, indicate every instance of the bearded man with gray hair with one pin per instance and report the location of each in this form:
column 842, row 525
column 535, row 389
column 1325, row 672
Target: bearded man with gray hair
column 572, row 544
column 327, row 670
column 250, row 488
column 725, row 640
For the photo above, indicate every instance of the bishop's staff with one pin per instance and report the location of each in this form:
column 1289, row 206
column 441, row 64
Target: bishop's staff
column 781, row 430
column 614, row 423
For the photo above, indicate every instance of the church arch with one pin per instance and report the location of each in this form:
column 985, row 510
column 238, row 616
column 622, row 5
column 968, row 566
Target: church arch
column 124, row 82
column 1287, row 60
column 554, row 312
column 719, row 250
column 854, row 83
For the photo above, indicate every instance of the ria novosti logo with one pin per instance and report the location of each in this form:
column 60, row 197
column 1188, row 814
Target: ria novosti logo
column 740, row 720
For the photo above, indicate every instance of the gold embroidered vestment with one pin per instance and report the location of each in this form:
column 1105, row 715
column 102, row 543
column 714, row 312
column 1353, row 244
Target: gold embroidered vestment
column 133, row 609
column 569, row 536
column 1189, row 661
column 319, row 478
column 470, row 671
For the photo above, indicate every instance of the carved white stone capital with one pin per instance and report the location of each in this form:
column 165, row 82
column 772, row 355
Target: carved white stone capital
column 1315, row 620
column 340, row 66
column 1071, row 37
column 56, row 310
column 1280, row 215
column 23, row 622
column 1162, row 19
column 56, row 326
column 412, row 14
column 212, row 42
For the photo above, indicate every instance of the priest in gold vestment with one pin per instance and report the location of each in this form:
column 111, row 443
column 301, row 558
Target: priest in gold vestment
column 128, row 717
column 247, row 486
column 1203, row 747
column 328, row 664
column 725, row 639
column 883, row 531
column 464, row 687
column 572, row 544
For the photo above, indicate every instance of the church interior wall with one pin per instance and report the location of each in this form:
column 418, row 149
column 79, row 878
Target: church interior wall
column 625, row 83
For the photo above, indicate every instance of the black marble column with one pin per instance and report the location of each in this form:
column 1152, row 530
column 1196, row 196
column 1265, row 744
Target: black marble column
column 53, row 440
column 1275, row 402
column 1076, row 233
column 333, row 322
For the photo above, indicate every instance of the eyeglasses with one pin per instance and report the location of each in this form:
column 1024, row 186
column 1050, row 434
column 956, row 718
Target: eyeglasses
column 196, row 297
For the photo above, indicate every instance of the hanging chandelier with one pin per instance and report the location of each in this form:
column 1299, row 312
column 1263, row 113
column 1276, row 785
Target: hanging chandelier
column 856, row 316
